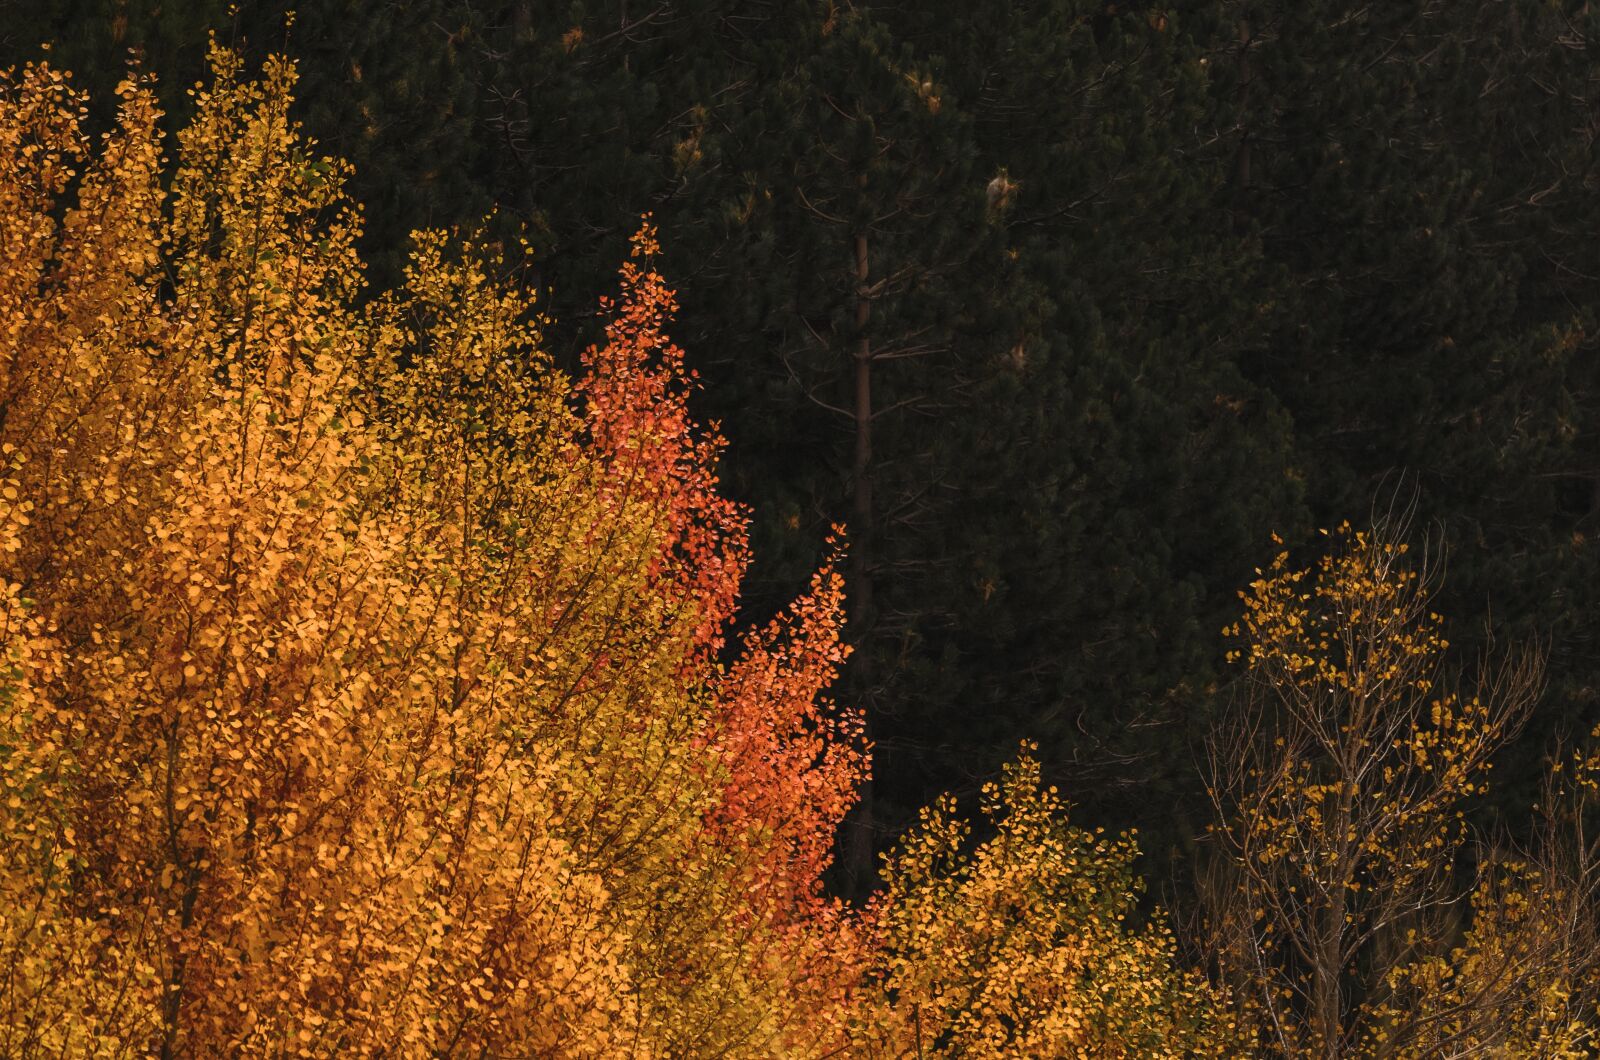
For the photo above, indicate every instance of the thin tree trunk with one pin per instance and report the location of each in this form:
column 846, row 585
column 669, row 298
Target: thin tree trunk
column 1241, row 158
column 1329, row 971
column 859, row 856
column 861, row 501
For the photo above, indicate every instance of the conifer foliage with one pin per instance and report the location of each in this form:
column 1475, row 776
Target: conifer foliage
column 370, row 686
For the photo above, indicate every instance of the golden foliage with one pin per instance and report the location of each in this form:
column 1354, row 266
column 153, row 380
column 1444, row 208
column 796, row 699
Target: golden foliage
column 1020, row 946
column 362, row 691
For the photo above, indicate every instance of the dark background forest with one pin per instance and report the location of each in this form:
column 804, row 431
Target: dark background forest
column 1064, row 307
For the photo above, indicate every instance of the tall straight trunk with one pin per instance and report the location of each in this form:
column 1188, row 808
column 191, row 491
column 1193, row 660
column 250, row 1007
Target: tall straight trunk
column 1241, row 158
column 861, row 497
column 859, row 855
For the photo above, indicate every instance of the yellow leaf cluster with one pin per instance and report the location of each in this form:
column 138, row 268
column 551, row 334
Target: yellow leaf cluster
column 1023, row 944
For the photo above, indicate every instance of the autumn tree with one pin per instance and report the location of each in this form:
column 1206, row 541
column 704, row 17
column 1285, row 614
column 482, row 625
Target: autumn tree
column 1023, row 943
column 1344, row 905
column 366, row 689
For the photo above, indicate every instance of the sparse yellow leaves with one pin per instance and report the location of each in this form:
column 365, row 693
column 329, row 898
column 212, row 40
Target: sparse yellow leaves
column 1343, row 781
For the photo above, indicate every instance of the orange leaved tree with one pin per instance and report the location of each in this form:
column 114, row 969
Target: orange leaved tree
column 365, row 687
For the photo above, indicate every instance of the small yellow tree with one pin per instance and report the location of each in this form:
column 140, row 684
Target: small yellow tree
column 1336, row 906
column 1019, row 945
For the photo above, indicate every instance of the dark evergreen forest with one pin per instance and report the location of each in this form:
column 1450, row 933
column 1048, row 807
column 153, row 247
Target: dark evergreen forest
column 1064, row 307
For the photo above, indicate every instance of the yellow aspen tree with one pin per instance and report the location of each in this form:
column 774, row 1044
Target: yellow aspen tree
column 260, row 819
column 1020, row 945
column 1337, row 907
column 364, row 689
